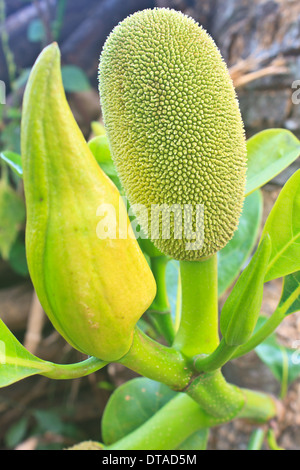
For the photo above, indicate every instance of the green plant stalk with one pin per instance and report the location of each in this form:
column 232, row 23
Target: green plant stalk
column 163, row 364
column 268, row 327
column 216, row 360
column 181, row 417
column 157, row 362
column 256, row 439
column 58, row 24
column 259, row 407
column 266, row 330
column 160, row 309
column 198, row 330
column 216, row 396
column 271, row 439
column 74, row 371
column 168, row 428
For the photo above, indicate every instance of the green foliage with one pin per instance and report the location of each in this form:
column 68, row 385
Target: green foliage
column 135, row 403
column 241, row 309
column 291, row 292
column 17, row 257
column 233, row 257
column 14, row 161
column 16, row 362
column 99, row 147
column 283, row 226
column 12, row 216
column 131, row 405
column 269, row 152
column 197, row 441
column 36, row 31
column 283, row 362
column 74, row 79
column 16, row 432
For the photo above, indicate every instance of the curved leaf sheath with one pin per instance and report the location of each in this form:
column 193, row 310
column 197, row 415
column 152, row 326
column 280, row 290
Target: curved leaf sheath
column 241, row 309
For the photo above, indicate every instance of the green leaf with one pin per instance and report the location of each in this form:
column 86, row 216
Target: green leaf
column 197, row 441
column 131, row 405
column 291, row 293
column 241, row 309
column 269, row 153
column 233, row 257
column 74, row 79
column 14, row 161
column 283, row 226
column 11, row 136
column 36, row 31
column 12, row 216
column 99, row 147
column 17, row 257
column 16, row 363
column 277, row 357
column 97, row 128
column 16, row 432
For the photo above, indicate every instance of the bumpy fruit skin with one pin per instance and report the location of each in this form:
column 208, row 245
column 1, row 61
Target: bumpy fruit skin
column 93, row 290
column 174, row 125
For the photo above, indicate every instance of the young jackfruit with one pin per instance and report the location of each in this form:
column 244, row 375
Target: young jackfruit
column 175, row 131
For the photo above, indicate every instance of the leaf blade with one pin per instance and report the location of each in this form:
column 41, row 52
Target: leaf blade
column 241, row 309
column 14, row 161
column 16, row 363
column 269, row 153
column 232, row 258
column 291, row 293
column 131, row 405
column 283, row 226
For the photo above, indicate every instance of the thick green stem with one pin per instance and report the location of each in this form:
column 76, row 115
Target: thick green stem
column 182, row 416
column 168, row 428
column 216, row 396
column 160, row 309
column 157, row 362
column 259, row 407
column 198, row 330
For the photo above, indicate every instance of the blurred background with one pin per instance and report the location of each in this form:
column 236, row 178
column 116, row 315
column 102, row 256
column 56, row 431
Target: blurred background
column 260, row 42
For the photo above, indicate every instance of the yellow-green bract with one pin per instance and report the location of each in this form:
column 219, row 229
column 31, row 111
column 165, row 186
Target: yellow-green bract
column 93, row 289
column 175, row 129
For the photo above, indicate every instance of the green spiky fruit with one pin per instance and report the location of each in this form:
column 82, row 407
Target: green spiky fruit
column 175, row 131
